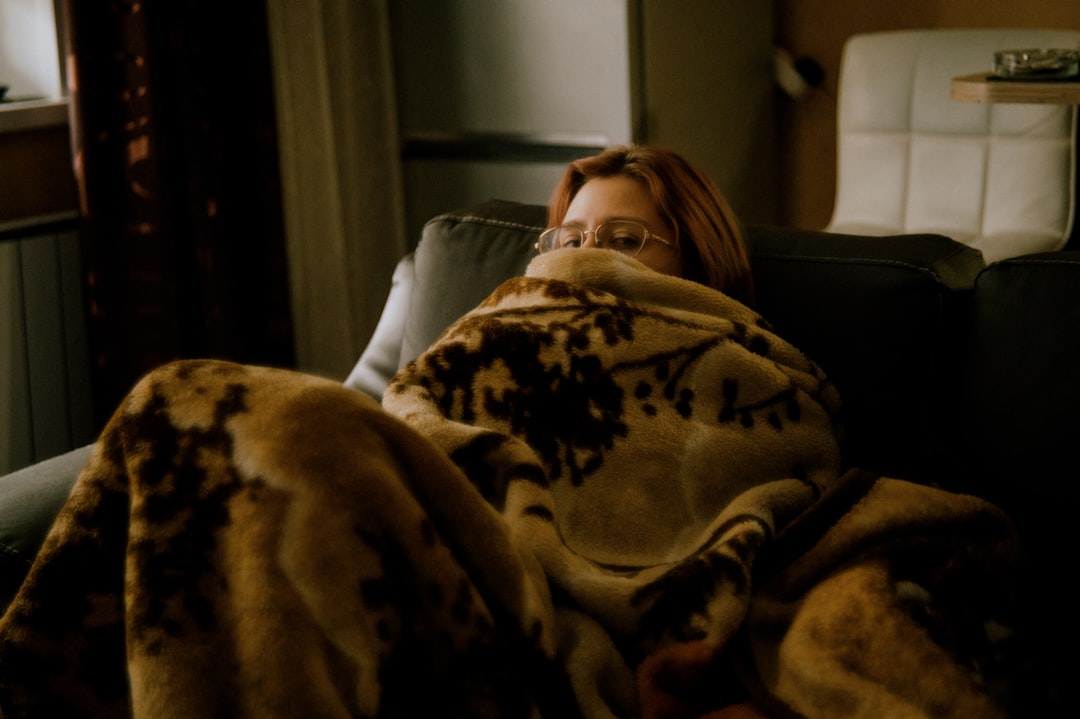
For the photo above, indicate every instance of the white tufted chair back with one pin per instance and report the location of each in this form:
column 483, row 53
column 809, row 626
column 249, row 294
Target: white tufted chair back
column 997, row 177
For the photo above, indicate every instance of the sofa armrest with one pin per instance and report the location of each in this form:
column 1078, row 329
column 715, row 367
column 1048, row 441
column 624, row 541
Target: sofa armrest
column 1023, row 392
column 31, row 498
column 381, row 358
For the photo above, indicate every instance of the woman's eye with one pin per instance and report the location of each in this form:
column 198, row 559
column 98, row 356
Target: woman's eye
column 572, row 242
column 624, row 241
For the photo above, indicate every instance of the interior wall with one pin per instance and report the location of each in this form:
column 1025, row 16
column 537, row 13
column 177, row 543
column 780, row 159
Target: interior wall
column 706, row 90
column 817, row 29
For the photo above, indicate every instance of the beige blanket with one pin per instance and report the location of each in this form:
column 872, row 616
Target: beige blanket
column 604, row 493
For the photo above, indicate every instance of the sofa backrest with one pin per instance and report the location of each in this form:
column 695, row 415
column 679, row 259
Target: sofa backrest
column 875, row 313
column 885, row 317
column 1023, row 424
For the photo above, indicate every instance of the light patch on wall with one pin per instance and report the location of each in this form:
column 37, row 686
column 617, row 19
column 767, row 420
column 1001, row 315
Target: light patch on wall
column 29, row 58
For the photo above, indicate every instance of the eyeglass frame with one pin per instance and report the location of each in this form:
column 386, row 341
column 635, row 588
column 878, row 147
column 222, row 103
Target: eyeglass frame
column 649, row 235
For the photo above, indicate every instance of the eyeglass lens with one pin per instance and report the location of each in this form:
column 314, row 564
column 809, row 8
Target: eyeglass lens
column 621, row 236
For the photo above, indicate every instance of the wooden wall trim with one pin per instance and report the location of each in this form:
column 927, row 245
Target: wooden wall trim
column 37, row 179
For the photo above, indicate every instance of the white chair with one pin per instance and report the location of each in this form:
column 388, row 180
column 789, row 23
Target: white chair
column 997, row 177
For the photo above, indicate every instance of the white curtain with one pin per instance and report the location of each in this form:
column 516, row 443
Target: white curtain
column 341, row 172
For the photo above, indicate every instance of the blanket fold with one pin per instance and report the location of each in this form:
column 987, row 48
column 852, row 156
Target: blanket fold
column 603, row 493
column 252, row 542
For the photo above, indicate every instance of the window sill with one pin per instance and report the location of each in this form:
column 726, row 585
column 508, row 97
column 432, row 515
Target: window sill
column 19, row 115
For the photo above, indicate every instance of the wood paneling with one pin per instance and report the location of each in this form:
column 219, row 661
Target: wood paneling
column 36, row 175
column 45, row 406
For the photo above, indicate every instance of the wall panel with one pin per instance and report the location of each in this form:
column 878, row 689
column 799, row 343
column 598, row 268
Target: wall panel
column 45, row 399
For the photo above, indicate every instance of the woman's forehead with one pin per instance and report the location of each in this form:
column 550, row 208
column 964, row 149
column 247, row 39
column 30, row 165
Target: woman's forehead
column 606, row 198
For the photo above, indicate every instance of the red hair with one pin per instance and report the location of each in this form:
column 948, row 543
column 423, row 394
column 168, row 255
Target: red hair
column 706, row 229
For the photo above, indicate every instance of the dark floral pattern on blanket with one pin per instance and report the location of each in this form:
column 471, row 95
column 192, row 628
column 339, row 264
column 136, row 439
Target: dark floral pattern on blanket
column 657, row 405
column 603, row 493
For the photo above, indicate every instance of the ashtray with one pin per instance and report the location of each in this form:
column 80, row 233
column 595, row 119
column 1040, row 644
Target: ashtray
column 1036, row 64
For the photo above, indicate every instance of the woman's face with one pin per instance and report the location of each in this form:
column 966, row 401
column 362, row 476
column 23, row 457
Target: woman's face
column 622, row 198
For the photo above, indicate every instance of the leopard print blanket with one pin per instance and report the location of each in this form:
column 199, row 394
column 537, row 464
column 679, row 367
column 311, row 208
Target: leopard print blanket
column 603, row 493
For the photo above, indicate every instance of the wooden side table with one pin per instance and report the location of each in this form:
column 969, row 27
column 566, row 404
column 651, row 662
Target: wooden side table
column 984, row 87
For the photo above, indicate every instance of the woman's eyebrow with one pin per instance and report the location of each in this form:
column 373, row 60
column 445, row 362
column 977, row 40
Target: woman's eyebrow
column 614, row 218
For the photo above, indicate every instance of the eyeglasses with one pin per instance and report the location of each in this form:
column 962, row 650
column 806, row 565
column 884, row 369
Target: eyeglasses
column 625, row 236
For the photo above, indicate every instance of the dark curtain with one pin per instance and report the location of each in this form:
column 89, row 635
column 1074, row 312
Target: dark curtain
column 175, row 151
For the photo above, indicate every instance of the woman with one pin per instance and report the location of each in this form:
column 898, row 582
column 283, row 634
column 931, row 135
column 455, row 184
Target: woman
column 700, row 235
column 655, row 449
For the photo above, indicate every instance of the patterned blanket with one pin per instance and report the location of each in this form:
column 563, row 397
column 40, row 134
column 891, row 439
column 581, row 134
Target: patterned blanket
column 603, row 493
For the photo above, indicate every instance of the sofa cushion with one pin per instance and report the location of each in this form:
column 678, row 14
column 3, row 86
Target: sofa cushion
column 463, row 256
column 882, row 316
